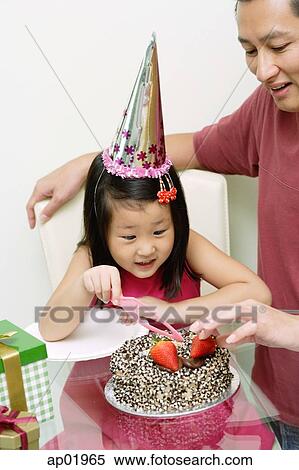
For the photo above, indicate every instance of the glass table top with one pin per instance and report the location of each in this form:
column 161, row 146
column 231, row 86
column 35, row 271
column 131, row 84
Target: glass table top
column 85, row 420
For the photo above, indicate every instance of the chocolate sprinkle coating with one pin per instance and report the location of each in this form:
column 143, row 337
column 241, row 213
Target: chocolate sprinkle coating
column 142, row 385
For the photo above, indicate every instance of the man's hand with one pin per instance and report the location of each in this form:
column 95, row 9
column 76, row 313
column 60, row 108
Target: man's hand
column 60, row 186
column 263, row 325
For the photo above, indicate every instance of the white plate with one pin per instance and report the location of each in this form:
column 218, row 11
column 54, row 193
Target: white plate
column 99, row 335
column 109, row 394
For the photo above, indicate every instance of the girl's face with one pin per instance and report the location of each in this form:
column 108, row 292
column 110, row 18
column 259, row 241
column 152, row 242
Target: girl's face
column 140, row 238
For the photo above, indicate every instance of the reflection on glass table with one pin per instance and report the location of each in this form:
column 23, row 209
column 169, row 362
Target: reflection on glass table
column 85, row 420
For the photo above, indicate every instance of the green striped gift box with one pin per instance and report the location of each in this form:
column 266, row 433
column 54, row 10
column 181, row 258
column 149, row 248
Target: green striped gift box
column 33, row 358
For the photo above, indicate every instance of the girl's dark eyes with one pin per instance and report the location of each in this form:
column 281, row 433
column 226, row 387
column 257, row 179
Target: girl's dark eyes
column 132, row 237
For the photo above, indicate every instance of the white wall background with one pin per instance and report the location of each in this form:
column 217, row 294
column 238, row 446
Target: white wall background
column 95, row 47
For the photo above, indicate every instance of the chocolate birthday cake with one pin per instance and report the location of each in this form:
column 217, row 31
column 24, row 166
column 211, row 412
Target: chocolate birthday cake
column 145, row 382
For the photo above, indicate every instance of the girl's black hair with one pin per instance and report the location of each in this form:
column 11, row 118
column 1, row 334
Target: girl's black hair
column 135, row 192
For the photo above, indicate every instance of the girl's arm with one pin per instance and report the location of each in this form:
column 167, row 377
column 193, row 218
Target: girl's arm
column 71, row 292
column 234, row 281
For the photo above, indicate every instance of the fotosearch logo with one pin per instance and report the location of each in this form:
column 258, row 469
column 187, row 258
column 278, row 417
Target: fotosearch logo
column 65, row 314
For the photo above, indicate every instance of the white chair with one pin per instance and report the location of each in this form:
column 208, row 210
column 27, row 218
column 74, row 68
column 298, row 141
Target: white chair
column 206, row 196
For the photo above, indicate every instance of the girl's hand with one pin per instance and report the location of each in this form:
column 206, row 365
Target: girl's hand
column 104, row 282
column 157, row 308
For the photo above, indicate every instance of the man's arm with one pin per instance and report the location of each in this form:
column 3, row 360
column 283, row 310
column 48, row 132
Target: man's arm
column 180, row 150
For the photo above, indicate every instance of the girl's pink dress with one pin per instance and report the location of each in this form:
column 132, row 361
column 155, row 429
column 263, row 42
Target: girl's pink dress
column 91, row 423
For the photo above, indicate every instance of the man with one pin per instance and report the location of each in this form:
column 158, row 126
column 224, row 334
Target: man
column 259, row 139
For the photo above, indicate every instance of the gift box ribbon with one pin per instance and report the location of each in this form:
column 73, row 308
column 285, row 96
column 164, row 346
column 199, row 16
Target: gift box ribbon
column 13, row 373
column 11, row 421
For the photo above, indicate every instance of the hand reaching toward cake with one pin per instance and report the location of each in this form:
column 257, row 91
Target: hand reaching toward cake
column 104, row 282
column 261, row 324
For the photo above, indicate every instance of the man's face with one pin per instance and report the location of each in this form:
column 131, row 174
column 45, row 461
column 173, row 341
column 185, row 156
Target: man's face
column 269, row 33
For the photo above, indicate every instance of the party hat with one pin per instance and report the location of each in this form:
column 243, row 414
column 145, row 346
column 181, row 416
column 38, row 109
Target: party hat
column 138, row 149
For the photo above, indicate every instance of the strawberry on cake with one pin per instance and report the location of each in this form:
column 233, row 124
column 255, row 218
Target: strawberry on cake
column 151, row 374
